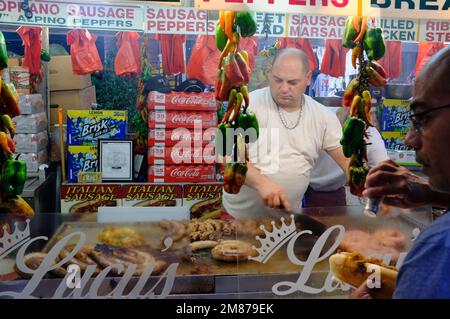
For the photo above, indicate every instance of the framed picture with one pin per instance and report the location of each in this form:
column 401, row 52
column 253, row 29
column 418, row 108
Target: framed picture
column 115, row 160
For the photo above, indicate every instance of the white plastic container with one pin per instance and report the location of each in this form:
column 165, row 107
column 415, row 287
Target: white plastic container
column 31, row 143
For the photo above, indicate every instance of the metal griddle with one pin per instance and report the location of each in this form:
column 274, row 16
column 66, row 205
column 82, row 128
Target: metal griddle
column 208, row 278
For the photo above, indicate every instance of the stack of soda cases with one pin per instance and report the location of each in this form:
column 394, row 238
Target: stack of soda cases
column 181, row 137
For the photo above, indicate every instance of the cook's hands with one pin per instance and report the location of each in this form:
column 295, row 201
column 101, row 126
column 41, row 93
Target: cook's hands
column 398, row 185
column 362, row 292
column 273, row 195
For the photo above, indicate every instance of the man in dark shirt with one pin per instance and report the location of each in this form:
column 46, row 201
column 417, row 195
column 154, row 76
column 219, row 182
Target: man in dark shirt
column 425, row 272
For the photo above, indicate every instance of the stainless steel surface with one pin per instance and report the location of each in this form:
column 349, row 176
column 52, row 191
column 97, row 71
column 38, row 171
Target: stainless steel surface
column 329, row 100
column 246, row 279
column 401, row 91
column 36, row 193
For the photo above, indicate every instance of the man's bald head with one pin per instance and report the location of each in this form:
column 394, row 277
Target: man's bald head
column 292, row 53
column 431, row 106
column 289, row 78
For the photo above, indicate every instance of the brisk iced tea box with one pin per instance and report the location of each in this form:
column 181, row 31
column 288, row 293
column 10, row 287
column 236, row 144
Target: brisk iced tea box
column 87, row 198
column 81, row 159
column 395, row 141
column 203, row 199
column 395, row 115
column 86, row 127
column 151, row 195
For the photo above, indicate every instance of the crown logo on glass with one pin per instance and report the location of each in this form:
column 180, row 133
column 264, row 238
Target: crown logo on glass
column 273, row 240
column 9, row 242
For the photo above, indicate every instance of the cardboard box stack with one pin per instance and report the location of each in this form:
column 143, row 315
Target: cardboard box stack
column 394, row 125
column 84, row 129
column 68, row 90
column 31, row 131
column 181, row 137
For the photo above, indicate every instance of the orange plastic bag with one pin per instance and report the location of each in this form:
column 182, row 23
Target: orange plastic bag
column 426, row 51
column 83, row 52
column 302, row 44
column 128, row 59
column 392, row 60
column 32, row 41
column 204, row 60
column 333, row 61
column 172, row 52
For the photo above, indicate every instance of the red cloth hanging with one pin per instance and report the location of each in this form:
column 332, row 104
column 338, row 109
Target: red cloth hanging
column 333, row 61
column 32, row 40
column 128, row 58
column 426, row 51
column 172, row 52
column 204, row 61
column 83, row 52
column 392, row 60
column 302, row 44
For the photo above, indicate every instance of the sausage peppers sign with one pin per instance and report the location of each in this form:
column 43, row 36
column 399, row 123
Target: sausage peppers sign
column 74, row 15
column 177, row 21
column 425, row 9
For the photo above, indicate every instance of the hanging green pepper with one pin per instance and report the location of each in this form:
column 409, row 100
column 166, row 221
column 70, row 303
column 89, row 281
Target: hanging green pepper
column 14, row 175
column 222, row 139
column 248, row 120
column 45, row 56
column 373, row 43
column 3, row 52
column 221, row 37
column 352, row 135
column 7, row 125
column 246, row 23
column 357, row 179
column 350, row 34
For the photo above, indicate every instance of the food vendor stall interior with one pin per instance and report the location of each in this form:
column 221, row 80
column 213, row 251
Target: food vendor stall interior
column 96, row 99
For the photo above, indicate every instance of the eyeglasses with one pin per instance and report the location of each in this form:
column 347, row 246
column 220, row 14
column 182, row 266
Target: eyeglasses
column 417, row 119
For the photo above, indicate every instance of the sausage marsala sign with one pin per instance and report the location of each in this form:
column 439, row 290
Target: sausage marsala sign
column 88, row 282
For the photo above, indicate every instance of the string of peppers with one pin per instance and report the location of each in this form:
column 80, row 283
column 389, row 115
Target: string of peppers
column 13, row 173
column 141, row 117
column 367, row 44
column 231, row 85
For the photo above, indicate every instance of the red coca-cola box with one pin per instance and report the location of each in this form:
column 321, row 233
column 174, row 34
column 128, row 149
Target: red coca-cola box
column 171, row 137
column 179, row 155
column 182, row 101
column 181, row 173
column 186, row 119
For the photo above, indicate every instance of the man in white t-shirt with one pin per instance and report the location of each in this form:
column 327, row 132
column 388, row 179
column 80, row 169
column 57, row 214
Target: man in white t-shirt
column 293, row 130
column 327, row 180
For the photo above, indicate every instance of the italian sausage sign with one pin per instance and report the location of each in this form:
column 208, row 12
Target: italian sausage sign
column 323, row 7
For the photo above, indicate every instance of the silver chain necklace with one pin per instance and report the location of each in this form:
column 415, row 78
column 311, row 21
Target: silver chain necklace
column 283, row 120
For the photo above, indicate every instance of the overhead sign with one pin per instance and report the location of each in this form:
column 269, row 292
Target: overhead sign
column 74, row 15
column 434, row 31
column 176, row 20
column 424, row 9
column 323, row 7
column 405, row 30
column 314, row 26
column 271, row 24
